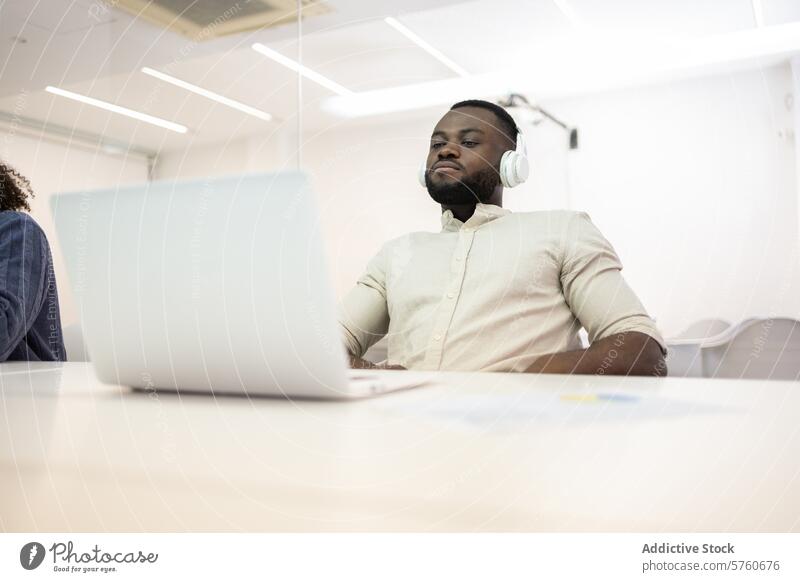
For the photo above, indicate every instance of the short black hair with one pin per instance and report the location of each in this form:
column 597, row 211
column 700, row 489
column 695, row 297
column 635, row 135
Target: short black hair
column 506, row 123
column 15, row 190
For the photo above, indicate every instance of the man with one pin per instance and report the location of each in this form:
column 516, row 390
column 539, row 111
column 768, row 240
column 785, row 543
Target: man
column 496, row 291
column 30, row 319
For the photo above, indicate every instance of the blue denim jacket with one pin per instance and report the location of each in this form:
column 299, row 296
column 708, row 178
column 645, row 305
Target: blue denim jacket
column 30, row 320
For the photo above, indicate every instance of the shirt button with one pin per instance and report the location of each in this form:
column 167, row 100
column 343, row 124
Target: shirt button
column 437, row 337
column 458, row 258
column 450, row 295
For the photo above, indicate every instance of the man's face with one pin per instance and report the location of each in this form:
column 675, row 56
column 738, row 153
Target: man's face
column 464, row 156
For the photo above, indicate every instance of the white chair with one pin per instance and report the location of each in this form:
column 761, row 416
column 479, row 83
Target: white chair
column 74, row 344
column 684, row 358
column 685, row 354
column 766, row 348
column 705, row 328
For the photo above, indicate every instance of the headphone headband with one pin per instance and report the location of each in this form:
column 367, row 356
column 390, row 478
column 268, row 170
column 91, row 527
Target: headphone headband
column 521, row 148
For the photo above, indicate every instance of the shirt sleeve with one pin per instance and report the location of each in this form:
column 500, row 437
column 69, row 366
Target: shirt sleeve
column 364, row 312
column 23, row 279
column 594, row 288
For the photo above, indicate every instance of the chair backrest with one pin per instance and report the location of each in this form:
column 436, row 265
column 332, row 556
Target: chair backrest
column 684, row 359
column 761, row 349
column 704, row 328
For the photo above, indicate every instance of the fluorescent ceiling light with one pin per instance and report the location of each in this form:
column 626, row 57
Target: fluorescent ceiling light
column 303, row 70
column 177, row 127
column 207, row 94
column 419, row 96
column 421, row 43
column 758, row 13
column 567, row 11
column 596, row 63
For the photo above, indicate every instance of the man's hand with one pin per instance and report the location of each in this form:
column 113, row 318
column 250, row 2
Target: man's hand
column 627, row 354
column 361, row 364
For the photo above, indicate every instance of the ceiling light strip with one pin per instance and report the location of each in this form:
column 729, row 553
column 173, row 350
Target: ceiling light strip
column 758, row 13
column 427, row 47
column 301, row 69
column 152, row 120
column 207, row 94
column 568, row 12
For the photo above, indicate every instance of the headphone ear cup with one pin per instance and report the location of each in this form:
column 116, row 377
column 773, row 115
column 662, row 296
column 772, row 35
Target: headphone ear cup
column 423, row 169
column 514, row 169
column 507, row 169
column 523, row 169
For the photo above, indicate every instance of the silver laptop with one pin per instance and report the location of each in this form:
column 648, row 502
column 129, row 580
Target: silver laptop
column 215, row 285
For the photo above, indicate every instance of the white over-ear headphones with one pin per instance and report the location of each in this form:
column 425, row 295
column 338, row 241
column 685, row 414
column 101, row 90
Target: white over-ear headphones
column 514, row 168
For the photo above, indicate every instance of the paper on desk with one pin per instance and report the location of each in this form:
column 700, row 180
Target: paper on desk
column 515, row 410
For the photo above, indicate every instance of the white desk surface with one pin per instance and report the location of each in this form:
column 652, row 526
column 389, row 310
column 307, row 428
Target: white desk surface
column 474, row 452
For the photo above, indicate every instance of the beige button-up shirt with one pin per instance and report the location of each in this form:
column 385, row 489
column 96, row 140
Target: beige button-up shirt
column 493, row 293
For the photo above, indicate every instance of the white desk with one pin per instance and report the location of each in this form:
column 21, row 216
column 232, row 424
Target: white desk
column 476, row 452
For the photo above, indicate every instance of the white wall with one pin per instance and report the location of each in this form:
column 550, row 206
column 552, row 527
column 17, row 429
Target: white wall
column 53, row 167
column 696, row 186
column 274, row 151
column 690, row 181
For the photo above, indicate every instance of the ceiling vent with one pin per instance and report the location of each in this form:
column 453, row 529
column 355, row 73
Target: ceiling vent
column 207, row 19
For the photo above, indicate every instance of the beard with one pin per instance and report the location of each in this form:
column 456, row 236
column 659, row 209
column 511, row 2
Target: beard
column 472, row 189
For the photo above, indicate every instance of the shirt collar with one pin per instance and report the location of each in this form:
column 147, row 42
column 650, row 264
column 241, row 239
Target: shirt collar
column 483, row 213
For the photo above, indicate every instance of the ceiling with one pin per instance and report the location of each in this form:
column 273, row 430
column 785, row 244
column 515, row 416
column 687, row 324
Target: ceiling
column 88, row 47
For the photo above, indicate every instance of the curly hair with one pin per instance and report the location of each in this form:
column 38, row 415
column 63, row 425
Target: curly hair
column 15, row 189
